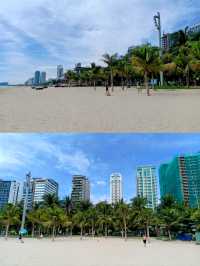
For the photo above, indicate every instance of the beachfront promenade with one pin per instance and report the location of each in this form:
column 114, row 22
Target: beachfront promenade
column 97, row 252
column 84, row 109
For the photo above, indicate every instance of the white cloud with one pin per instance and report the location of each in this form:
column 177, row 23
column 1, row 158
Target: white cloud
column 101, row 183
column 17, row 151
column 47, row 32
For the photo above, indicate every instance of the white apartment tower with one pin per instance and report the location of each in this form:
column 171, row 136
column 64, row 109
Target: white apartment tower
column 147, row 185
column 116, row 193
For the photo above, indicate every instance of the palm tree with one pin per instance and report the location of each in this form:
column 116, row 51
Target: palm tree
column 33, row 218
column 104, row 216
column 121, row 71
column 9, row 216
column 122, row 212
column 50, row 200
column 80, row 220
column 91, row 216
column 67, row 205
column 195, row 58
column 146, row 61
column 110, row 61
column 70, row 75
column 141, row 215
column 95, row 73
column 182, row 61
column 55, row 217
column 196, row 218
column 168, row 213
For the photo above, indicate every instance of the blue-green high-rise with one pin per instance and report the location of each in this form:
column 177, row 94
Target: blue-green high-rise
column 181, row 179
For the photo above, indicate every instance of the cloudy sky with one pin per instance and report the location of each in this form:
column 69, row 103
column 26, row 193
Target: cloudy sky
column 59, row 156
column 40, row 34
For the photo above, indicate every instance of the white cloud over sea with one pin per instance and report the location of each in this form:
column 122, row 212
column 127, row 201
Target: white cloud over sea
column 40, row 34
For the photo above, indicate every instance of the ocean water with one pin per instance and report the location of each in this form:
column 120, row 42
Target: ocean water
column 8, row 87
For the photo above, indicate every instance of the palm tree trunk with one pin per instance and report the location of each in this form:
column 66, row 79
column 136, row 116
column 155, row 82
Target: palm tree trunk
column 92, row 229
column 106, row 231
column 148, row 235
column 95, row 85
column 33, row 230
column 146, row 83
column 169, row 234
column 7, row 230
column 125, row 230
column 111, row 79
column 122, row 83
column 81, row 233
column 127, row 82
column 188, row 76
column 53, row 233
column 122, row 232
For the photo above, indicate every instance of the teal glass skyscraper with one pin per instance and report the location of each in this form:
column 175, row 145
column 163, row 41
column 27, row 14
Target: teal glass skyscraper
column 147, row 185
column 181, row 179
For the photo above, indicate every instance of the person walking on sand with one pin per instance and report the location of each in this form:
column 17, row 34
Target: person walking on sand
column 20, row 238
column 107, row 90
column 145, row 240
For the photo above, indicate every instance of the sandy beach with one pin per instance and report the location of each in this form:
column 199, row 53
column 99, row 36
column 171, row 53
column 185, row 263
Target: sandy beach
column 85, row 110
column 97, row 252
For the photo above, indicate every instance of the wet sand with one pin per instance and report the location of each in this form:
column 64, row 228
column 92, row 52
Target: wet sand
column 82, row 109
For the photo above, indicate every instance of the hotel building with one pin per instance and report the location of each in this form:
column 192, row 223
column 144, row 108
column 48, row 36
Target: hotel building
column 116, row 193
column 147, row 185
column 37, row 188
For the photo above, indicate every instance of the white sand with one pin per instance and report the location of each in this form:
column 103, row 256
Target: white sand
column 83, row 109
column 102, row 252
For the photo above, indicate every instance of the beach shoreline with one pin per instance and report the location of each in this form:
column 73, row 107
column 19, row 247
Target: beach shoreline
column 79, row 109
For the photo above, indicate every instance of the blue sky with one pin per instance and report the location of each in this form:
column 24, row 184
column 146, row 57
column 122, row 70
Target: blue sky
column 59, row 156
column 41, row 34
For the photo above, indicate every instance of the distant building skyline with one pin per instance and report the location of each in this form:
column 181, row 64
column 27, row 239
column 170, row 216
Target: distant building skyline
column 147, row 185
column 62, row 155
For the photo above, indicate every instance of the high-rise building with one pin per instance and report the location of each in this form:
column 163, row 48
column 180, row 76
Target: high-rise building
column 60, row 72
column 181, row 179
column 8, row 192
column 39, row 187
column 43, row 77
column 37, row 78
column 194, row 29
column 147, row 185
column 80, row 189
column 116, row 194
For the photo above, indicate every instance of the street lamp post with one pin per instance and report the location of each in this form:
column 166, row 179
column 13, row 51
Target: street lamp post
column 157, row 21
column 28, row 178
